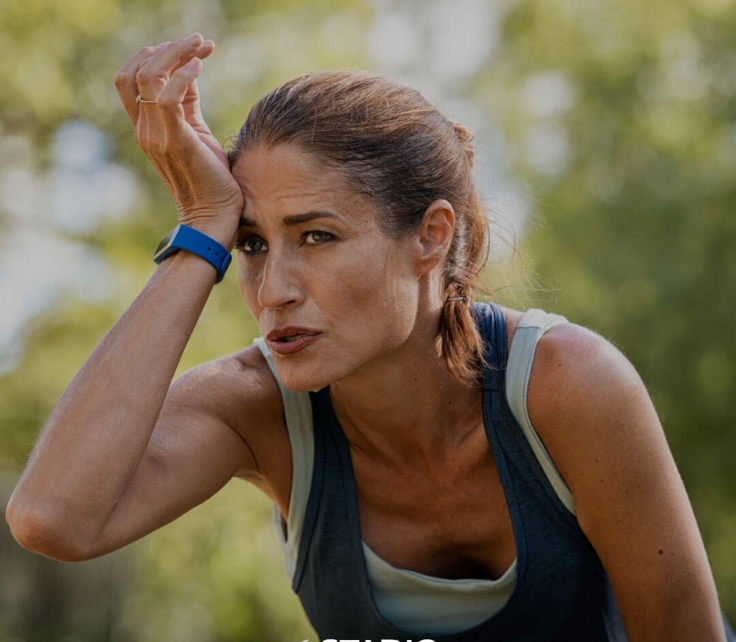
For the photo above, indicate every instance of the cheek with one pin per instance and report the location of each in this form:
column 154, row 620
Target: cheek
column 378, row 297
column 248, row 283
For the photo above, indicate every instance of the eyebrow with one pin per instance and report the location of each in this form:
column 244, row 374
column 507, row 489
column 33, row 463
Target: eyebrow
column 290, row 221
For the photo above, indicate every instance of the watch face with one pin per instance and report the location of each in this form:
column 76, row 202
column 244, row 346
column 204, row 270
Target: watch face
column 164, row 245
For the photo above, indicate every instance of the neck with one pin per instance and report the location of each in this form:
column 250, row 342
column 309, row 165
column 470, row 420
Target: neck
column 407, row 408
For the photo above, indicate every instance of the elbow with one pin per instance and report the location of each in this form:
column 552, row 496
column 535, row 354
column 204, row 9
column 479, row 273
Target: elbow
column 40, row 531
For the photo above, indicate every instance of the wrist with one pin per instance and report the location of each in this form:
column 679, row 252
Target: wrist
column 193, row 241
column 222, row 228
column 224, row 235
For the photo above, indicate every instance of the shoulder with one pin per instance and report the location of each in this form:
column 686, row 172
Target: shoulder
column 577, row 361
column 580, row 386
column 226, row 385
column 592, row 411
column 577, row 374
column 240, row 391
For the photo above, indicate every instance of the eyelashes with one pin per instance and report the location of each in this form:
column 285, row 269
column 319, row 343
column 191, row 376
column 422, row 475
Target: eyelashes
column 317, row 237
column 253, row 245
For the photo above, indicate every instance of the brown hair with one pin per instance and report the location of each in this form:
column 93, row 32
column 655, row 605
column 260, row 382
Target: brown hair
column 394, row 146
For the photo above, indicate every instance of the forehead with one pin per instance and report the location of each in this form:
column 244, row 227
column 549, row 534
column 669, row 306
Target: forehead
column 286, row 180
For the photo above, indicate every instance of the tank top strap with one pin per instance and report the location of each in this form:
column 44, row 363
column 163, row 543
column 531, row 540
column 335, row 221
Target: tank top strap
column 299, row 425
column 530, row 329
column 513, row 446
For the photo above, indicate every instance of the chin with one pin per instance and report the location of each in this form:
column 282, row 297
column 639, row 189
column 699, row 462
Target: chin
column 303, row 379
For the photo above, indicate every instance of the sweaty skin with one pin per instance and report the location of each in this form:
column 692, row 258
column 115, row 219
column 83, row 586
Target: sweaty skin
column 126, row 451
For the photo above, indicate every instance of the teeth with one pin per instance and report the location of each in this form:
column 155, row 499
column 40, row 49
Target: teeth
column 293, row 337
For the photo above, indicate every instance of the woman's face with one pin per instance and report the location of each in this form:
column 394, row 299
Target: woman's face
column 332, row 293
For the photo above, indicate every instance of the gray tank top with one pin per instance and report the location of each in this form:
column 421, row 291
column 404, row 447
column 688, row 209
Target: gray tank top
column 408, row 599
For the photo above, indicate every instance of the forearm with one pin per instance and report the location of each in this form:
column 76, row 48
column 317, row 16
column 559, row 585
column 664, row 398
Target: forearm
column 96, row 436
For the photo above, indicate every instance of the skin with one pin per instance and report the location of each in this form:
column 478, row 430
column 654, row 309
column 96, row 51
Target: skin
column 153, row 450
column 287, row 272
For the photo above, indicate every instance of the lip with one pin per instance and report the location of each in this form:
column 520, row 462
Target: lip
column 275, row 336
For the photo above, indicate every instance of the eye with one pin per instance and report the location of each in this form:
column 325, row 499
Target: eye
column 251, row 245
column 317, row 237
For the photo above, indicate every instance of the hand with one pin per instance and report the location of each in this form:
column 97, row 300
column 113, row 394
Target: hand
column 175, row 138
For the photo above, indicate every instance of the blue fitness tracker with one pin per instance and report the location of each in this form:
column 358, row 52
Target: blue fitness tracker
column 189, row 239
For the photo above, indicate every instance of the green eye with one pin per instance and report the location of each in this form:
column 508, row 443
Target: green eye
column 316, row 237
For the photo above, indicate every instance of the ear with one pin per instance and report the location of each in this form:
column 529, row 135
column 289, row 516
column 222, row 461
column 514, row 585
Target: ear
column 435, row 235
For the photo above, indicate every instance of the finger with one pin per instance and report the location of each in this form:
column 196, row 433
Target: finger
column 205, row 51
column 191, row 104
column 153, row 75
column 192, row 107
column 193, row 110
column 169, row 101
column 125, row 78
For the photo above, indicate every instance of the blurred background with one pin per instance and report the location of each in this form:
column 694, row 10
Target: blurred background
column 607, row 155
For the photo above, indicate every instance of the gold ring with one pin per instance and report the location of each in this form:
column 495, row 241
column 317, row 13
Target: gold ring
column 140, row 99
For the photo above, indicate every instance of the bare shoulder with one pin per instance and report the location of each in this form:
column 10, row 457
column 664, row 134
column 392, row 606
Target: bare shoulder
column 240, row 391
column 572, row 361
column 573, row 364
column 228, row 385
column 599, row 425
column 584, row 397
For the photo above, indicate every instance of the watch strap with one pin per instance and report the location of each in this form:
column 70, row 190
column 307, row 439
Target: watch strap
column 183, row 237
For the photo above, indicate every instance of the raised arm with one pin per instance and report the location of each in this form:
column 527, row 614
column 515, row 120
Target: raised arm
column 98, row 460
column 598, row 423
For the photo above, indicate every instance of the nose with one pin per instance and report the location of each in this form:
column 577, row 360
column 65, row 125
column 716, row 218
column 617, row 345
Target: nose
column 280, row 283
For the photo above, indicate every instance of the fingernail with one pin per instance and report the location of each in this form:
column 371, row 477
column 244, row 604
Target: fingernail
column 163, row 45
column 194, row 37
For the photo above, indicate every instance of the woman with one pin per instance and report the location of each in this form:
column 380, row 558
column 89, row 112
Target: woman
column 460, row 472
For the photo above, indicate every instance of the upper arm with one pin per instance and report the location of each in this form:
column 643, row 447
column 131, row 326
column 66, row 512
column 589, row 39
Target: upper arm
column 215, row 419
column 600, row 427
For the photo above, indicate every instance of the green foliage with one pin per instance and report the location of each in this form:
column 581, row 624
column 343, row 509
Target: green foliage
column 218, row 574
column 620, row 115
column 638, row 228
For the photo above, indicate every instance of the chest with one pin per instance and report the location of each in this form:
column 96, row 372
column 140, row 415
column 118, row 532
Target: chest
column 453, row 526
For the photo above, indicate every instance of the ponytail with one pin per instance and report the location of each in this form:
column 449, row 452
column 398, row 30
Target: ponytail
column 462, row 347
